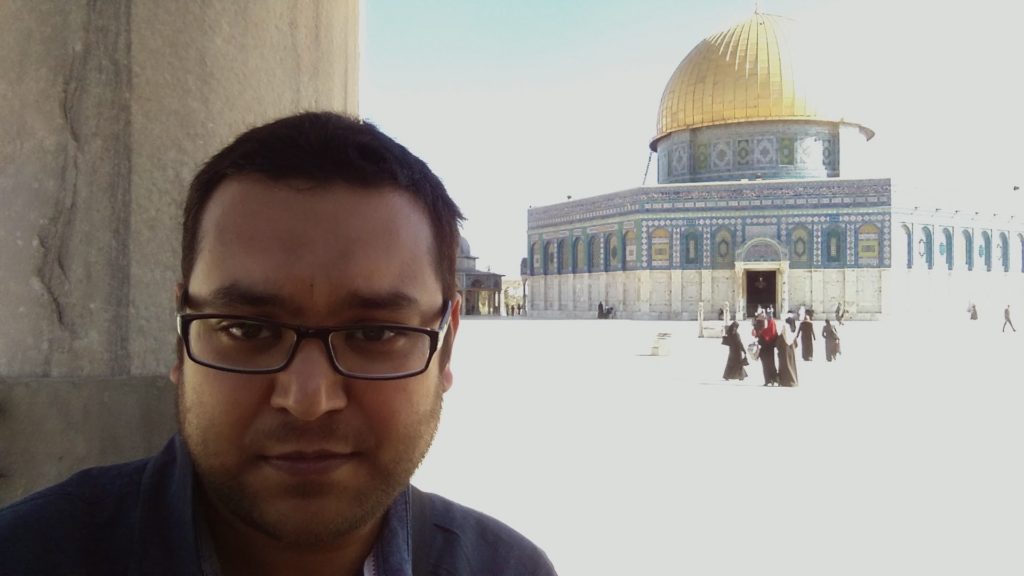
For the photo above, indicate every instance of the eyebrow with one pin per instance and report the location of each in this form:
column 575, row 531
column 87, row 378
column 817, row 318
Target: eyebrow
column 234, row 295
column 383, row 301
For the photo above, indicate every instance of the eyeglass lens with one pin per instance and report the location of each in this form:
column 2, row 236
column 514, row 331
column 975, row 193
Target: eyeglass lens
column 245, row 344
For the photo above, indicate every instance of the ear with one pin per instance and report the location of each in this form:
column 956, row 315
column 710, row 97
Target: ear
column 175, row 372
column 453, row 327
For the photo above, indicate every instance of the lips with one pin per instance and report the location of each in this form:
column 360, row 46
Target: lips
column 309, row 463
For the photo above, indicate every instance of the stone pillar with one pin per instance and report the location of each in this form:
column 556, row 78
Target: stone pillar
column 706, row 293
column 677, row 294
column 741, row 300
column 107, row 109
column 784, row 274
column 851, row 296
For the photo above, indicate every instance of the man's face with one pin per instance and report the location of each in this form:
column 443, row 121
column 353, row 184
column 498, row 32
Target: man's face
column 307, row 455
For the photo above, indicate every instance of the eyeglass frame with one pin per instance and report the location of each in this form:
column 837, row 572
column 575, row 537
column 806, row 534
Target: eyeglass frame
column 321, row 333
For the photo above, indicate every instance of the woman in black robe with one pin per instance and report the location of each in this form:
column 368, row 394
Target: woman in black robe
column 785, row 342
column 734, row 369
column 765, row 331
column 831, row 341
column 807, row 338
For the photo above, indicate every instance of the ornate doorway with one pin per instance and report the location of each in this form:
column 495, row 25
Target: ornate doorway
column 761, row 289
column 762, row 267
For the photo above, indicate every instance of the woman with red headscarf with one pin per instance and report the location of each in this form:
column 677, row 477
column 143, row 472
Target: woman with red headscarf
column 766, row 333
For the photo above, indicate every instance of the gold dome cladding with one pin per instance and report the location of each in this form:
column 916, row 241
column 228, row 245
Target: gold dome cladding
column 741, row 74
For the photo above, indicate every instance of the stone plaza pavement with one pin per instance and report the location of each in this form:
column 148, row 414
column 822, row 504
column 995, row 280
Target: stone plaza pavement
column 900, row 458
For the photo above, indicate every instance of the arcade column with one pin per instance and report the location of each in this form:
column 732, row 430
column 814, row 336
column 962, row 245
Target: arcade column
column 784, row 279
column 107, row 109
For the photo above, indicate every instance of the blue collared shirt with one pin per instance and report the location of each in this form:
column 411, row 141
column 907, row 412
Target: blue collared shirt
column 140, row 518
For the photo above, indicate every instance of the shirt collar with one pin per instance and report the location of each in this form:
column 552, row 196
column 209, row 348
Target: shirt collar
column 391, row 554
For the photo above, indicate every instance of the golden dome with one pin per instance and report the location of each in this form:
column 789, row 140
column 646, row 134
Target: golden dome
column 749, row 72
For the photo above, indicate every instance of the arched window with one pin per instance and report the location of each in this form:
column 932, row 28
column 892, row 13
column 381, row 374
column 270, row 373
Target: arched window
column 868, row 241
column 551, row 262
column 800, row 247
column 722, row 248
column 596, row 254
column 946, row 248
column 629, row 240
column 563, row 256
column 910, row 245
column 1004, row 252
column 661, row 248
column 691, row 249
column 968, row 250
column 1020, row 240
column 614, row 252
column 986, row 250
column 835, row 247
column 536, row 264
column 926, row 247
column 580, row 262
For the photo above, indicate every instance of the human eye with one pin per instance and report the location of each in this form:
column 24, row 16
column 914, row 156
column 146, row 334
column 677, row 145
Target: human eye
column 373, row 334
column 378, row 339
column 248, row 330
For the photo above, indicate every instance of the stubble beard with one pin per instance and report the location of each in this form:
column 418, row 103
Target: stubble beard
column 356, row 506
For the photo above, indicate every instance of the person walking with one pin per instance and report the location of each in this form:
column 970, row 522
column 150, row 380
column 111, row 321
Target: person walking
column 1006, row 319
column 840, row 313
column 831, row 337
column 785, row 343
column 807, row 338
column 766, row 333
column 734, row 366
column 973, row 310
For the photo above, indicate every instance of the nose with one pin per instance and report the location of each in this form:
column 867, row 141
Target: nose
column 309, row 387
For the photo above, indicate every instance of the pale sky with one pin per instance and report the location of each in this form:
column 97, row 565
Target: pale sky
column 518, row 104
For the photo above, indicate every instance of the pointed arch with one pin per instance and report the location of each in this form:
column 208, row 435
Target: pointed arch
column 1020, row 240
column 968, row 250
column 926, row 248
column 596, row 254
column 801, row 246
column 630, row 250
column 762, row 250
column 563, row 256
column 946, row 249
column 692, row 239
column 986, row 250
column 869, row 242
column 579, row 250
column 1004, row 252
column 661, row 248
column 908, row 235
column 723, row 248
column 834, row 247
column 613, row 250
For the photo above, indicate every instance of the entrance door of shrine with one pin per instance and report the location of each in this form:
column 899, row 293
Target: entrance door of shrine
column 761, row 290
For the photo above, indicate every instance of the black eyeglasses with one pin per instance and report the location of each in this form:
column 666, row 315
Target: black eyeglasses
column 252, row 345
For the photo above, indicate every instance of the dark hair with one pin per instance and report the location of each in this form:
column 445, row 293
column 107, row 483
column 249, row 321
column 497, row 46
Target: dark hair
column 325, row 147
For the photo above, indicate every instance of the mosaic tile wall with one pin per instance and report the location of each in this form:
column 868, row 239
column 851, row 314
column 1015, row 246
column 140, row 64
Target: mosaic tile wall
column 704, row 224
column 759, row 150
column 689, row 238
